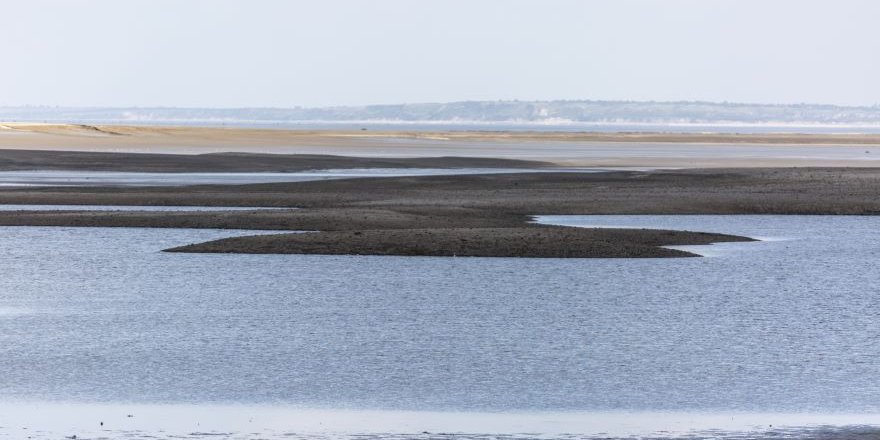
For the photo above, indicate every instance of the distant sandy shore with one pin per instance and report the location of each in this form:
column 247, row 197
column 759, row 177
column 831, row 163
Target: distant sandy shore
column 563, row 148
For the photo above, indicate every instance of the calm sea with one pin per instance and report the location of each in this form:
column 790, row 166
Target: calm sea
column 97, row 323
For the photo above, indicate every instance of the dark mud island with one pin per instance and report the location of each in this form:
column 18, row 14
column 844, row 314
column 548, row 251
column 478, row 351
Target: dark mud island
column 471, row 215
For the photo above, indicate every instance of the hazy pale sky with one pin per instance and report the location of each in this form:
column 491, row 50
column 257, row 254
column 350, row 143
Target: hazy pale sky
column 282, row 53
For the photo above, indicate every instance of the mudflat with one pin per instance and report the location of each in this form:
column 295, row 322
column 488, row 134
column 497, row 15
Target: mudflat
column 531, row 242
column 28, row 160
column 479, row 215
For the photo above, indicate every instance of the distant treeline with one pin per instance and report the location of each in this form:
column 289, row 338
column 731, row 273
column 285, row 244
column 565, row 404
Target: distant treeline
column 475, row 111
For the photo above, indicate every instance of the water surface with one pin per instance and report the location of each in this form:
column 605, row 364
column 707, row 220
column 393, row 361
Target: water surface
column 112, row 178
column 141, row 208
column 789, row 325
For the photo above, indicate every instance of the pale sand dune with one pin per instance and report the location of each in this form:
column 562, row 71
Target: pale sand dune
column 573, row 149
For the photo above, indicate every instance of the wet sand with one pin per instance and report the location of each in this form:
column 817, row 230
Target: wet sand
column 657, row 150
column 475, row 215
column 30, row 160
column 480, row 215
column 529, row 242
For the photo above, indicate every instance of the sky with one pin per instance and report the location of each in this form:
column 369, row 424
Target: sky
column 286, row 53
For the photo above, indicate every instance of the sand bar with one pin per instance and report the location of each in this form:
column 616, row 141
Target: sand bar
column 477, row 215
column 584, row 149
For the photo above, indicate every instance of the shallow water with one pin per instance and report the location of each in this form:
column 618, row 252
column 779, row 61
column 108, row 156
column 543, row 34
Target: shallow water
column 54, row 420
column 140, row 208
column 103, row 178
column 788, row 325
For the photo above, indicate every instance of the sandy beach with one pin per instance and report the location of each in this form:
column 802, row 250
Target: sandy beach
column 583, row 149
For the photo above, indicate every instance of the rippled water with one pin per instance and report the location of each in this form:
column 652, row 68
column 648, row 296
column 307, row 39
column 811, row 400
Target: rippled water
column 786, row 325
column 103, row 178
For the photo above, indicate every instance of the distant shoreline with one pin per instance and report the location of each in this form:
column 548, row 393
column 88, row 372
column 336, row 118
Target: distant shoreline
column 174, row 134
column 481, row 126
column 509, row 113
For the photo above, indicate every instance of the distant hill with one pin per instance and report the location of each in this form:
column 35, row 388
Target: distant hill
column 527, row 112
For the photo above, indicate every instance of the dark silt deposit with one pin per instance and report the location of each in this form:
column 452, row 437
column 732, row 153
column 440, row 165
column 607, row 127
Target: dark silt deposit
column 535, row 242
column 472, row 215
column 18, row 160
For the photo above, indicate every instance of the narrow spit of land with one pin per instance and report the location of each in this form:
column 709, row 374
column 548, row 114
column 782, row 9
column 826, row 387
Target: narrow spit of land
column 30, row 160
column 47, row 136
column 477, row 215
column 580, row 149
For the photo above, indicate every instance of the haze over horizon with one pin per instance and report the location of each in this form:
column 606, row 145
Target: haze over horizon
column 273, row 53
column 419, row 103
column 474, row 113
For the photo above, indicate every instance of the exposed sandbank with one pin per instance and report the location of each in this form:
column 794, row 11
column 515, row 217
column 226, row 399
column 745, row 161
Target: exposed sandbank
column 534, row 242
column 68, row 134
column 833, row 191
column 661, row 150
column 432, row 215
column 28, row 160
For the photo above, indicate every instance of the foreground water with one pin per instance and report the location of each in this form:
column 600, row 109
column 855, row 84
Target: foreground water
column 100, row 321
